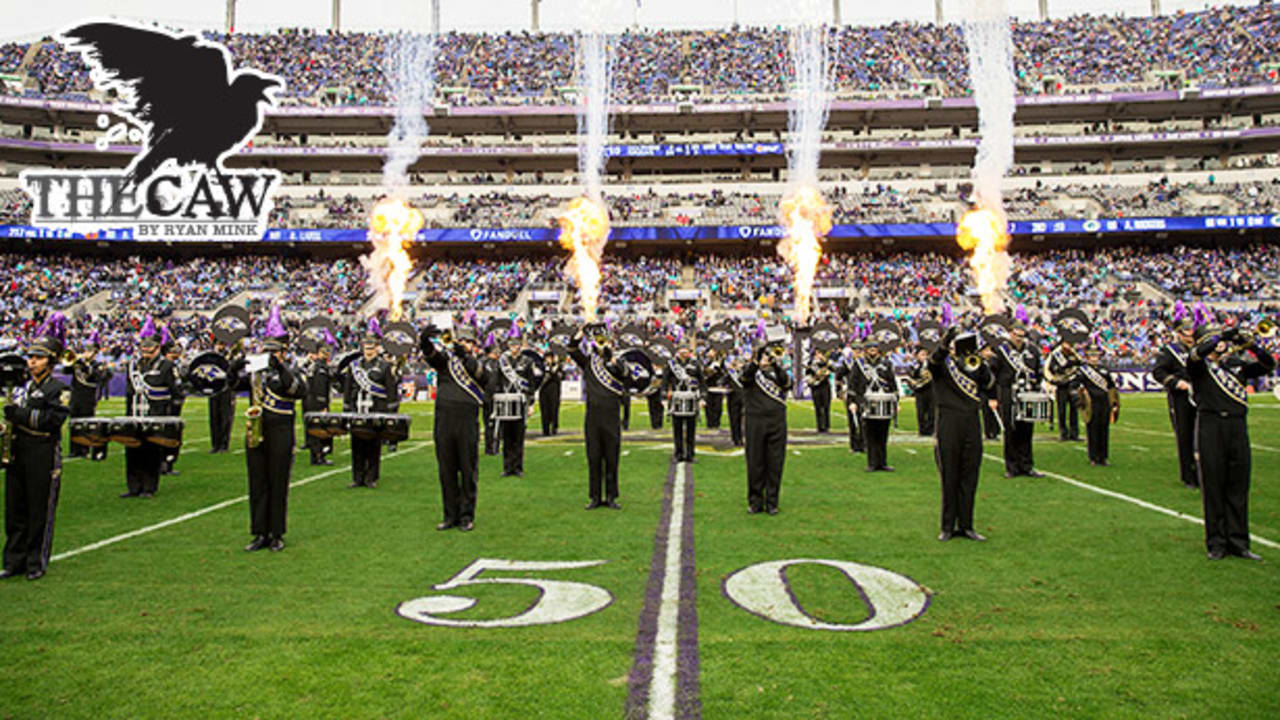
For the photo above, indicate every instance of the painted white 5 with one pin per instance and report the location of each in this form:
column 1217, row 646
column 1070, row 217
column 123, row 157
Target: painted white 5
column 558, row 601
column 891, row 599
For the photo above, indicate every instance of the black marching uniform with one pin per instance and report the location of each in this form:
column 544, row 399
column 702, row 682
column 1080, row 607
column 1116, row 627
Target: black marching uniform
column 603, row 381
column 656, row 408
column 1017, row 370
column 86, row 378
column 366, row 387
column 511, row 432
column 1169, row 368
column 33, row 478
column 1097, row 381
column 178, row 398
column 316, row 399
column 736, row 397
column 844, row 375
column 684, row 376
column 1061, row 369
column 549, row 395
column 874, row 376
column 958, row 395
column 1222, row 442
column 270, row 462
column 717, row 387
column 493, row 383
column 456, row 429
column 921, row 382
column 151, row 384
column 765, row 415
column 818, row 378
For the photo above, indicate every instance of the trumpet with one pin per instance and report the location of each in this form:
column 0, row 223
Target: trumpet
column 1244, row 338
column 777, row 350
column 446, row 337
column 972, row 362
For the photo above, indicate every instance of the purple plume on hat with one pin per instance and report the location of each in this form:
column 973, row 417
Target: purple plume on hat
column 1179, row 310
column 275, row 325
column 679, row 332
column 469, row 317
column 948, row 317
column 329, row 339
column 1021, row 313
column 95, row 338
column 514, row 332
column 488, row 340
column 165, row 337
column 1200, row 314
column 374, row 327
column 761, row 328
column 148, row 329
column 55, row 326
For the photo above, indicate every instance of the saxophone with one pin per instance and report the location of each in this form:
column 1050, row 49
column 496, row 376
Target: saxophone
column 253, row 415
column 6, row 434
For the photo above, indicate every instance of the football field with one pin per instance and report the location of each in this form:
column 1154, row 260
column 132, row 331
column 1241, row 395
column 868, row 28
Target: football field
column 1092, row 597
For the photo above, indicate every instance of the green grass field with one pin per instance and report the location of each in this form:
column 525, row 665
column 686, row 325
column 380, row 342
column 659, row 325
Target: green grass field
column 1080, row 605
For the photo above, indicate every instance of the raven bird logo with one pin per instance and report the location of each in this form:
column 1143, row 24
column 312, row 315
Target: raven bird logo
column 180, row 90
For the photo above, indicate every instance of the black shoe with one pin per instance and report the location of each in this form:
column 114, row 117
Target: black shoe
column 1033, row 473
column 1246, row 554
column 146, row 495
column 467, row 526
column 613, row 505
column 1009, row 475
column 6, row 574
column 37, row 574
column 507, row 475
column 356, row 485
column 258, row 543
column 326, row 461
column 972, row 535
column 1104, row 463
column 771, row 511
column 371, row 484
column 886, row 468
column 1191, row 486
column 446, row 525
column 945, row 535
column 276, row 544
column 1216, row 554
column 593, row 505
column 130, row 494
column 754, row 511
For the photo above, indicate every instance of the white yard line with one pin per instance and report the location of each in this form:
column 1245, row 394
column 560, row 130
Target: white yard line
column 204, row 511
column 1134, row 500
column 1169, row 436
column 662, row 687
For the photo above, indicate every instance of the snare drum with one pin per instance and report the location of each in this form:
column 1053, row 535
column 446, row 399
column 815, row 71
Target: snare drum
column 326, row 425
column 163, row 431
column 1032, row 407
column 684, row 403
column 880, row 406
column 394, row 428
column 90, row 431
column 125, row 430
column 363, row 425
column 508, row 406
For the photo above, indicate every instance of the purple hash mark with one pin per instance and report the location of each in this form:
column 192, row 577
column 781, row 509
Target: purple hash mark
column 637, row 705
column 688, row 689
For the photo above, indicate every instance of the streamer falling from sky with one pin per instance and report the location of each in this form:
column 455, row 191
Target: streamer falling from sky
column 984, row 230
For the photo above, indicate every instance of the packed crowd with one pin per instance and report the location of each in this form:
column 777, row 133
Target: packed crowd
column 1056, row 55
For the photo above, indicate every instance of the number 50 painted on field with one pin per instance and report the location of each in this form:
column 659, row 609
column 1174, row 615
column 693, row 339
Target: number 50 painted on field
column 761, row 589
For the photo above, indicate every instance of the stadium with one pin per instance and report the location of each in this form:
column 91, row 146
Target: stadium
column 620, row 219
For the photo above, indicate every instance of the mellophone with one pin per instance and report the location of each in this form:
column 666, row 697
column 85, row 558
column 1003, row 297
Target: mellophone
column 391, row 427
column 1032, row 407
column 165, row 431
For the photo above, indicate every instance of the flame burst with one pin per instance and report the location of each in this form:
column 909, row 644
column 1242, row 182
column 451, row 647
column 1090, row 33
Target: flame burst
column 392, row 226
column 806, row 217
column 584, row 229
column 983, row 231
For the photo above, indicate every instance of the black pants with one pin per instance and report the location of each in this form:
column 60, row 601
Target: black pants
column 1183, row 418
column 604, row 445
column 856, row 441
column 490, row 430
column 685, row 433
column 655, row 412
column 142, row 467
column 320, row 448
column 626, row 412
column 958, row 454
column 990, row 427
column 366, row 460
column 1018, row 457
column 270, row 465
column 715, row 401
column 222, row 412
column 766, row 453
column 822, row 406
column 1222, row 443
column 1068, row 415
column 735, row 417
column 456, row 435
column 31, row 484
column 924, row 413
column 512, row 432
column 549, row 409
column 168, row 455
column 1098, row 430
column 877, row 435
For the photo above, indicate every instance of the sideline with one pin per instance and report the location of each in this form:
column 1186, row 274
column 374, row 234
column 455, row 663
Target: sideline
column 211, row 508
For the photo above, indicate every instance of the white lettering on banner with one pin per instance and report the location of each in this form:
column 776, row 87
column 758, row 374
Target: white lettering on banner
column 763, row 589
column 559, row 600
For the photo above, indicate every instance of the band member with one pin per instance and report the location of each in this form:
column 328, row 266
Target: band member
column 222, row 404
column 1170, row 370
column 511, row 433
column 921, row 382
column 396, row 369
column 958, row 386
column 656, row 409
column 549, row 394
column 270, row 438
column 765, row 384
column 626, row 412
column 456, row 429
column 684, row 375
column 173, row 353
column 366, row 386
column 844, row 375
column 733, row 370
column 33, row 476
column 493, row 375
column 1219, row 369
column 818, row 378
column 602, row 377
column 873, row 374
column 717, row 383
column 1017, row 369
column 319, row 391
column 87, row 375
column 151, row 382
column 1103, row 405
column 1060, row 371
